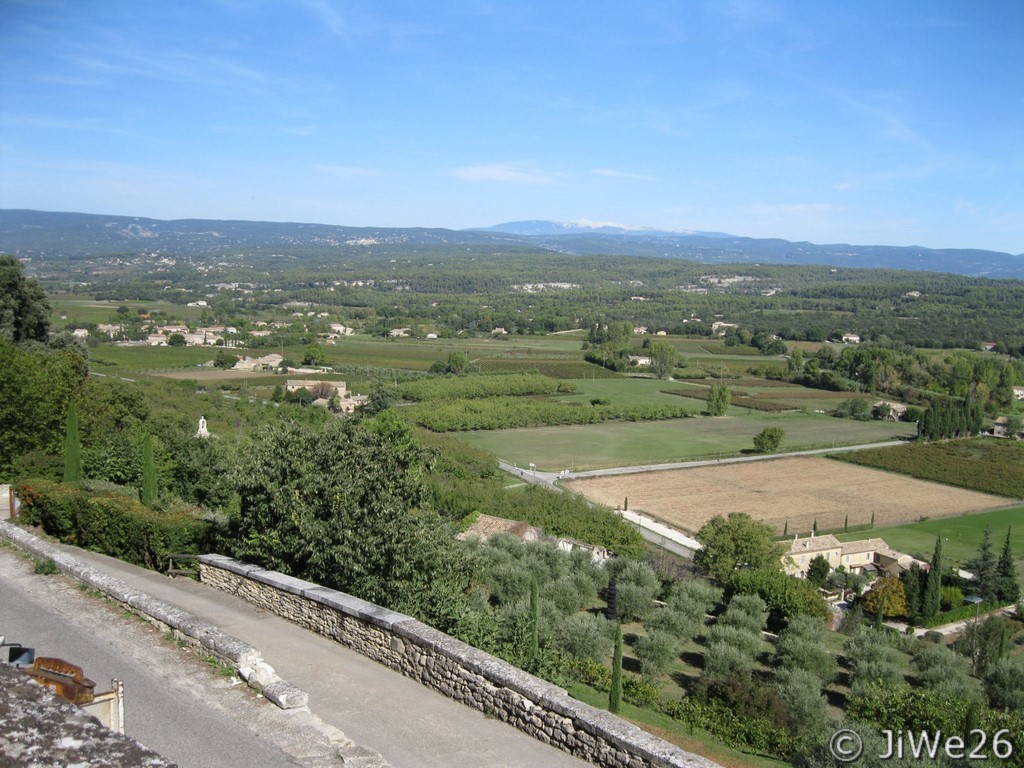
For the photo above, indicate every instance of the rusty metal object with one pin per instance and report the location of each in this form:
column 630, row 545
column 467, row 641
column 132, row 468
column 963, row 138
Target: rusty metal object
column 63, row 678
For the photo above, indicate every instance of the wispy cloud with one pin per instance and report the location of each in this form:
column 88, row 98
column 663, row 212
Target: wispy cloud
column 330, row 17
column 503, row 172
column 613, row 174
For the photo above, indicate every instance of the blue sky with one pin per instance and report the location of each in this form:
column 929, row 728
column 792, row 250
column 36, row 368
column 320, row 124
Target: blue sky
column 830, row 121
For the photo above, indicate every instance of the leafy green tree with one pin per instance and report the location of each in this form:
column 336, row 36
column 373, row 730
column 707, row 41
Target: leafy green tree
column 382, row 396
column 176, row 340
column 663, row 358
column 734, row 542
column 656, row 650
column 1007, row 586
column 615, row 691
column 801, row 645
column 806, row 707
column 747, row 612
column 886, row 597
column 346, row 506
column 1004, row 684
column 314, row 355
column 72, row 447
column 37, row 385
column 939, row 668
column 871, row 659
column 719, row 398
column 818, row 570
column 723, row 661
column 224, row 359
column 769, row 439
column 24, row 307
column 584, row 636
column 981, row 642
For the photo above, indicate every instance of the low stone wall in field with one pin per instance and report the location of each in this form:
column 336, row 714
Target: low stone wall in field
column 450, row 666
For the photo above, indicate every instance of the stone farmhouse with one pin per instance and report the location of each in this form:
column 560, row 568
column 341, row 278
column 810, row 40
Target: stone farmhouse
column 348, row 402
column 862, row 556
column 266, row 363
column 892, row 411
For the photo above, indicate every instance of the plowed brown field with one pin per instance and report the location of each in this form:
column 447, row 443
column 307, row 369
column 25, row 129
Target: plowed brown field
column 796, row 491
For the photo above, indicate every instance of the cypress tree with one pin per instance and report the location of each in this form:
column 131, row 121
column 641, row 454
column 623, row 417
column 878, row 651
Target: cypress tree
column 912, row 588
column 785, row 529
column 148, row 472
column 615, row 692
column 534, row 624
column 933, row 585
column 1006, row 574
column 72, row 447
column 984, row 567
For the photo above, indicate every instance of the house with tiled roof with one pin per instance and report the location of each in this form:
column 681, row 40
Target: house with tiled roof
column 872, row 555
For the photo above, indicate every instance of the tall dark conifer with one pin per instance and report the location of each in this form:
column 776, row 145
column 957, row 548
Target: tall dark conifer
column 1007, row 587
column 984, row 567
column 148, row 494
column 933, row 586
column 72, row 447
column 615, row 692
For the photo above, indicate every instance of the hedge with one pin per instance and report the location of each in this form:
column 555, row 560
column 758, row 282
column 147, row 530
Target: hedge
column 112, row 523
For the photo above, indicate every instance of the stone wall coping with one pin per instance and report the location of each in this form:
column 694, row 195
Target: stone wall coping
column 604, row 725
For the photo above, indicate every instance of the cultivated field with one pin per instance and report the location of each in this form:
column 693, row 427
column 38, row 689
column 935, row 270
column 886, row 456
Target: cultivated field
column 619, row 444
column 796, row 491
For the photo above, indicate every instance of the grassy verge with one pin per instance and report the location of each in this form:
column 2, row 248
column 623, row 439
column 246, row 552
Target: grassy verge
column 675, row 732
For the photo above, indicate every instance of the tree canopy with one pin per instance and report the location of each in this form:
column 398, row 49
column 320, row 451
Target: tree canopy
column 345, row 506
column 734, row 542
column 24, row 308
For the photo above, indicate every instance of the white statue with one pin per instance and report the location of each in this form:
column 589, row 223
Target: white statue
column 203, row 431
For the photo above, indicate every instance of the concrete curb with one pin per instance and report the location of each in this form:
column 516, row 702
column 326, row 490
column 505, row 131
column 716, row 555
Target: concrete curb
column 194, row 631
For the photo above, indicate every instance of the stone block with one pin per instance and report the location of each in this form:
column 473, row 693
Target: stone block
column 285, row 695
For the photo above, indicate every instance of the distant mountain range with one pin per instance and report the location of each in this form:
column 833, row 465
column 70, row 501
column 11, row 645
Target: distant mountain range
column 77, row 235
column 584, row 226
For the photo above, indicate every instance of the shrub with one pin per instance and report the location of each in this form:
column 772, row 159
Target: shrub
column 722, row 661
column 114, row 524
column 584, row 636
column 747, row 612
column 1004, row 684
column 655, row 651
column 739, row 637
column 785, row 596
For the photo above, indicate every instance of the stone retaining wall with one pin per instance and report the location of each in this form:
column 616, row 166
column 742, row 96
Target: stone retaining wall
column 450, row 666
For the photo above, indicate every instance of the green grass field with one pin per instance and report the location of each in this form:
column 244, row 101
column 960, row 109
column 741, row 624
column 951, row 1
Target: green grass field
column 960, row 536
column 78, row 310
column 615, row 444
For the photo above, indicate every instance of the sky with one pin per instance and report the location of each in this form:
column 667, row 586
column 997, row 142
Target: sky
column 866, row 122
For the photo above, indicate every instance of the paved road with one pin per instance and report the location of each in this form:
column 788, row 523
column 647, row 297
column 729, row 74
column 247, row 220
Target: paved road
column 174, row 703
column 410, row 725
